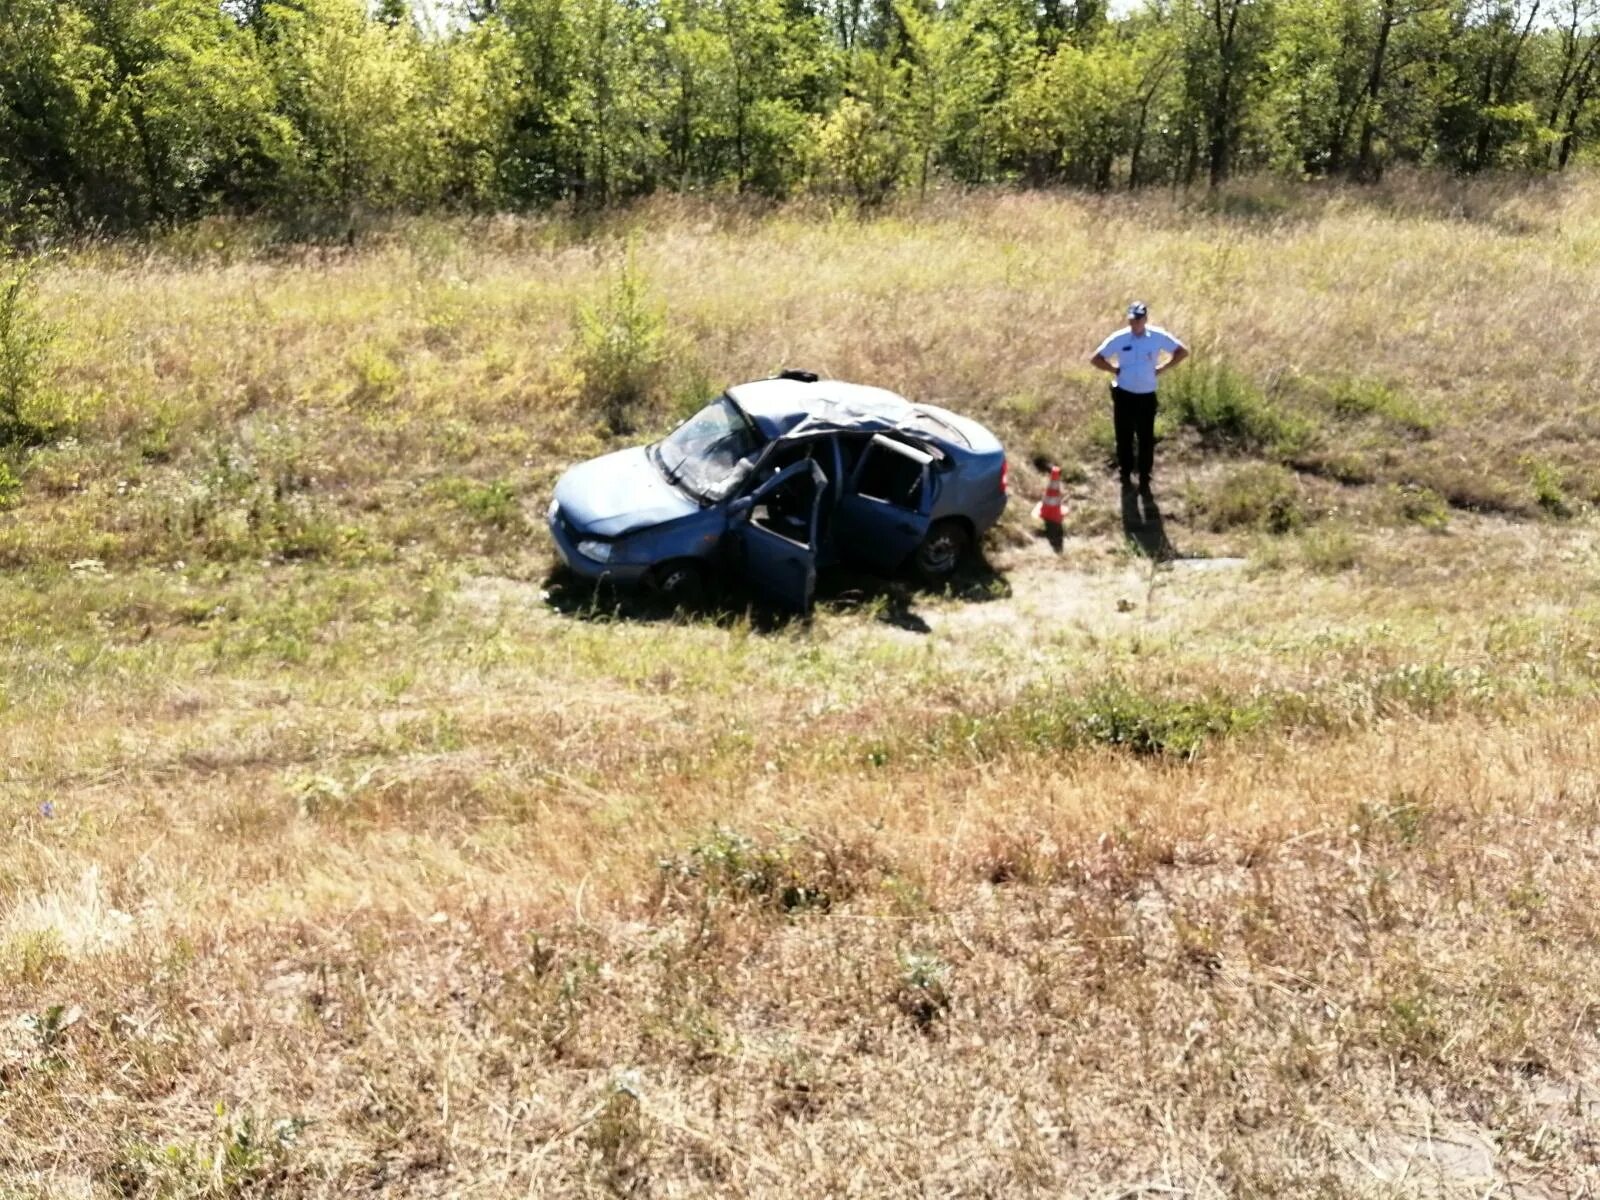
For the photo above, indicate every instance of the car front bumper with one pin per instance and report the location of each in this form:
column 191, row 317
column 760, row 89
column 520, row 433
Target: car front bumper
column 566, row 540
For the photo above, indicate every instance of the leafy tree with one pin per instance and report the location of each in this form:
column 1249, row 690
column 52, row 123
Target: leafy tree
column 1225, row 44
column 1575, row 77
column 1482, row 113
column 356, row 92
column 947, row 70
column 859, row 149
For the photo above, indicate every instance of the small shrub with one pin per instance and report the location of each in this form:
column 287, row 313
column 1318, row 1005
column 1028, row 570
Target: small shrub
column 157, row 441
column 1252, row 200
column 1471, row 487
column 794, row 875
column 621, row 347
column 1259, row 496
column 1113, row 715
column 34, row 956
column 1549, row 489
column 1329, row 551
column 1342, row 466
column 1423, row 687
column 378, row 376
column 923, row 993
column 1421, row 505
column 51, row 1025
column 1098, row 441
column 1413, row 1027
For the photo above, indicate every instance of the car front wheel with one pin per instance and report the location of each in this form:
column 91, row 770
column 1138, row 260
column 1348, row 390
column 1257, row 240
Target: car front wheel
column 681, row 584
column 941, row 551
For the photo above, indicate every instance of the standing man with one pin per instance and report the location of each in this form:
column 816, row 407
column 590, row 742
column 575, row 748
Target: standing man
column 1136, row 349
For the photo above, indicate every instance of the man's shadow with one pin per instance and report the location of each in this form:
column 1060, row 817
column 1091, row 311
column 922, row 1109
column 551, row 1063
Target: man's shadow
column 1144, row 527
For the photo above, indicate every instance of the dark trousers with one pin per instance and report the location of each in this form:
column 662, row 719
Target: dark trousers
column 1133, row 414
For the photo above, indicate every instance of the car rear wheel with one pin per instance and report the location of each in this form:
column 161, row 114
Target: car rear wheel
column 681, row 584
column 941, row 551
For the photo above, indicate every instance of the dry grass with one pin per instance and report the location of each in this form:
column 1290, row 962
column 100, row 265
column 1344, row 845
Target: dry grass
column 341, row 858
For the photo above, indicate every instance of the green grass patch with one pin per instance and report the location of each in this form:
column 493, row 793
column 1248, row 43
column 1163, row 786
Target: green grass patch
column 1417, row 504
column 1228, row 411
column 1259, row 496
column 792, row 873
column 1114, row 715
column 494, row 505
column 1356, row 399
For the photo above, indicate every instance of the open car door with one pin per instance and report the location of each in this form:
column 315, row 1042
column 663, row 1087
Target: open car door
column 774, row 530
column 883, row 514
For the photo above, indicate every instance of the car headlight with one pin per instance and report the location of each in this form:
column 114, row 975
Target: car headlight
column 555, row 508
column 597, row 551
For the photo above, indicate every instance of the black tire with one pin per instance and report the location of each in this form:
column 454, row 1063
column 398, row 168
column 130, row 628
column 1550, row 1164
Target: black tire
column 941, row 551
column 681, row 583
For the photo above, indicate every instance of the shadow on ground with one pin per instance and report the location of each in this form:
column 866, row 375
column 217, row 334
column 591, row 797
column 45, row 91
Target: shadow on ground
column 1143, row 525
column 891, row 599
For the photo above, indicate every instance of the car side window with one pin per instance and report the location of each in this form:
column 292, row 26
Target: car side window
column 890, row 477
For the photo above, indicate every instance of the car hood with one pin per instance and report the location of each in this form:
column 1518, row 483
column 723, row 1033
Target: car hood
column 618, row 493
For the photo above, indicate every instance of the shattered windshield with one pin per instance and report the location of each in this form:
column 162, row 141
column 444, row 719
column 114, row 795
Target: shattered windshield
column 709, row 453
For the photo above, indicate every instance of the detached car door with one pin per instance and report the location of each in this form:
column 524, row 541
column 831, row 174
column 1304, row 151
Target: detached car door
column 883, row 514
column 774, row 534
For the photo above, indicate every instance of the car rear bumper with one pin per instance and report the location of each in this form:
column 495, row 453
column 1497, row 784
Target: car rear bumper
column 626, row 574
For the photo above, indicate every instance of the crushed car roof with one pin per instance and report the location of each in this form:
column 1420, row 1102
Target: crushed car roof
column 793, row 408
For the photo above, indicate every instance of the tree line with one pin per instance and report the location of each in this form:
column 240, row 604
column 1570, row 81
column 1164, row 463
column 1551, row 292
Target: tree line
column 121, row 114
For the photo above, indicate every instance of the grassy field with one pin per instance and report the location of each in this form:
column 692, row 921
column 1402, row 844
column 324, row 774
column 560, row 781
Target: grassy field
column 1247, row 848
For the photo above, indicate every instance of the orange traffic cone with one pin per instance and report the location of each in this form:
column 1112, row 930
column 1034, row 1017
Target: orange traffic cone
column 1048, row 510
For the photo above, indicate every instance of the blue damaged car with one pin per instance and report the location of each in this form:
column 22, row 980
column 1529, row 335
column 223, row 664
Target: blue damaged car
column 776, row 478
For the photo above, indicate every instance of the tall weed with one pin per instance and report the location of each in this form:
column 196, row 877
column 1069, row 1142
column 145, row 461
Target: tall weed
column 622, row 344
column 25, row 341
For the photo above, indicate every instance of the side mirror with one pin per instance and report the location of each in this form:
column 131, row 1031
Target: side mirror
column 739, row 510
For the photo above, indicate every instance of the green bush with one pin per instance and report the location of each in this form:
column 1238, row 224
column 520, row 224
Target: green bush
column 242, row 506
column 1549, row 488
column 1421, row 505
column 1228, row 411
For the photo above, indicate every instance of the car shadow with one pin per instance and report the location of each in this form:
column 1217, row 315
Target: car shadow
column 1144, row 527
column 892, row 599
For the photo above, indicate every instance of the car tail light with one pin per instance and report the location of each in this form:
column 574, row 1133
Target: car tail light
column 1005, row 478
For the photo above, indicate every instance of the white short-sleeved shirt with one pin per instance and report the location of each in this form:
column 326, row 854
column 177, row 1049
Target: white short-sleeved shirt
column 1136, row 357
